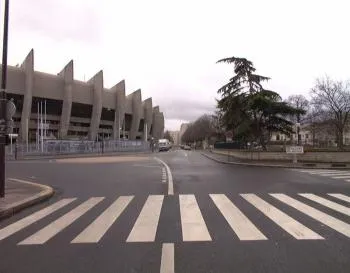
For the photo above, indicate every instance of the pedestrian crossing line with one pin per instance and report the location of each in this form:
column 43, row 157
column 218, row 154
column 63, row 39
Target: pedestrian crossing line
column 45, row 234
column 240, row 224
column 146, row 224
column 192, row 222
column 340, row 196
column 341, row 177
column 167, row 264
column 327, row 203
column 318, row 215
column 95, row 231
column 27, row 221
column 293, row 227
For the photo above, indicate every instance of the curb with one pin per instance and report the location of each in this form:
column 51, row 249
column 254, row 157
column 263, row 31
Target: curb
column 272, row 165
column 45, row 193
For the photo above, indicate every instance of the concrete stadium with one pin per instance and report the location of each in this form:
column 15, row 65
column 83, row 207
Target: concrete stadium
column 77, row 109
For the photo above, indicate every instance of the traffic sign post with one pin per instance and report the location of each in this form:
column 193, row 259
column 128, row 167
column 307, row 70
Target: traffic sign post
column 295, row 150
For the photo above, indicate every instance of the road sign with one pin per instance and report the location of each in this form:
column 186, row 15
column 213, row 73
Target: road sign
column 229, row 136
column 295, row 149
column 10, row 109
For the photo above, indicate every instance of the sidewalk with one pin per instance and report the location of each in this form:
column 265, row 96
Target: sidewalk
column 225, row 159
column 20, row 194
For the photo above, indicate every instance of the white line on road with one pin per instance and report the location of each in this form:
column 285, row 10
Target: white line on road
column 45, row 234
column 94, row 232
column 293, row 227
column 192, row 222
column 327, row 203
column 239, row 223
column 23, row 223
column 145, row 227
column 340, row 177
column 170, row 177
column 318, row 215
column 340, row 196
column 167, row 264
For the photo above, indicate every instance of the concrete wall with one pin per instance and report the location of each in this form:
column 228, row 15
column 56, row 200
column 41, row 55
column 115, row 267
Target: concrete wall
column 25, row 81
column 334, row 157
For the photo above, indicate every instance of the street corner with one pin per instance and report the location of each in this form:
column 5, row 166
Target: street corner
column 104, row 159
column 21, row 194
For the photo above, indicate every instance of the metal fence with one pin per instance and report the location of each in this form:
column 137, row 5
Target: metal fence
column 54, row 147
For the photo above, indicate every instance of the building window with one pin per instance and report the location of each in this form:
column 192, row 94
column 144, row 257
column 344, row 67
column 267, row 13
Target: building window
column 277, row 137
column 306, row 136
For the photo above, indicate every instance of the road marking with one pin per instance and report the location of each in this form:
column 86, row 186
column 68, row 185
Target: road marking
column 327, row 203
column 239, row 223
column 146, row 224
column 293, row 227
column 170, row 176
column 318, row 215
column 95, row 231
column 25, row 222
column 192, row 222
column 341, row 177
column 45, row 234
column 167, row 264
column 334, row 174
column 340, row 196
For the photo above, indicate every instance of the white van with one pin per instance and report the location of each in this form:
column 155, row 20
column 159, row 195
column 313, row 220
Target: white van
column 164, row 144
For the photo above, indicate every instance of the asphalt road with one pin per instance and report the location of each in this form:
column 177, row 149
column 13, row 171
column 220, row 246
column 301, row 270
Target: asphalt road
column 178, row 213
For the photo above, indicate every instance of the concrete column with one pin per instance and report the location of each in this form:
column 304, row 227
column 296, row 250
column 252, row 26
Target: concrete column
column 120, row 108
column 67, row 75
column 28, row 69
column 97, row 87
column 156, row 122
column 147, row 115
column 136, row 114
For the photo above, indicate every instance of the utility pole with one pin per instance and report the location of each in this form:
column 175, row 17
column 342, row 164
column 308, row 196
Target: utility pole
column 3, row 118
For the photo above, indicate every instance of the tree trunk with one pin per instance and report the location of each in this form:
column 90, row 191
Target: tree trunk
column 340, row 139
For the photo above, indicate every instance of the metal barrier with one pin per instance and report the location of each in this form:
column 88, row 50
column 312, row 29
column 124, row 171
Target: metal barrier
column 54, row 147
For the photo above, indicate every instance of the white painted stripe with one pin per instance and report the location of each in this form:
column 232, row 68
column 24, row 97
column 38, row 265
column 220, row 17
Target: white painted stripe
column 327, row 203
column 239, row 223
column 340, row 196
column 170, row 177
column 27, row 221
column 145, row 227
column 326, row 173
column 341, row 177
column 45, row 234
column 318, row 215
column 192, row 222
column 292, row 226
column 167, row 264
column 95, row 231
column 334, row 174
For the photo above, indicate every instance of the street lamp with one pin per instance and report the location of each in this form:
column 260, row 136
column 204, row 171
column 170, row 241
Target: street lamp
column 3, row 119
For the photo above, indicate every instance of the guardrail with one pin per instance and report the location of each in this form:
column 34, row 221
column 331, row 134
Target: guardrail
column 52, row 148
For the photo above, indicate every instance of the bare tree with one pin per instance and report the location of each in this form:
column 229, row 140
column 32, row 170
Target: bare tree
column 333, row 97
column 299, row 102
column 168, row 136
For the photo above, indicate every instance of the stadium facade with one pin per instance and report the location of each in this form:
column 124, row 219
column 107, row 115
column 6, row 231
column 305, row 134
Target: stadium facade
column 77, row 109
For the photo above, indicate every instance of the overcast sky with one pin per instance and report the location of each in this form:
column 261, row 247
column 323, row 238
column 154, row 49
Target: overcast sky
column 169, row 49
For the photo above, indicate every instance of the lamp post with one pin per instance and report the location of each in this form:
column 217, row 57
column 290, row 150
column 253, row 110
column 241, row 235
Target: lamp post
column 3, row 119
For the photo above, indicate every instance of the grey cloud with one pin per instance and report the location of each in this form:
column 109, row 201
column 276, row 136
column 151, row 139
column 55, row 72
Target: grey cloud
column 185, row 109
column 55, row 19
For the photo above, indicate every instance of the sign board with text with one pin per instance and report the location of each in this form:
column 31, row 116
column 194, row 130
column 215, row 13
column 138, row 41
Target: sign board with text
column 295, row 149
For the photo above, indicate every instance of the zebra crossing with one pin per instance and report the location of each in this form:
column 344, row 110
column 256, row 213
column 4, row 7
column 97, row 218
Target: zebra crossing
column 335, row 174
column 194, row 225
